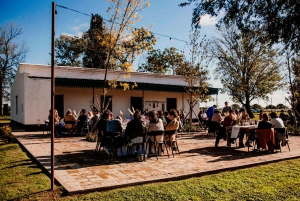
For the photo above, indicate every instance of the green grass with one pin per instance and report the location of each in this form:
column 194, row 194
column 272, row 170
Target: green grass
column 21, row 179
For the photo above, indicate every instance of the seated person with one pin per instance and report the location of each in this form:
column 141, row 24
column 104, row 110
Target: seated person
column 173, row 125
column 283, row 116
column 278, row 124
column 101, row 125
column 203, row 119
column 291, row 118
column 155, row 124
column 71, row 121
column 263, row 124
column 217, row 117
column 95, row 117
column 243, row 117
column 82, row 120
column 135, row 125
column 57, row 123
column 230, row 120
column 215, row 123
column 160, row 115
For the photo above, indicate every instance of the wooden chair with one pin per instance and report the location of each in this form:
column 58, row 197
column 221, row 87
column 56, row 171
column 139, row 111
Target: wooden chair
column 73, row 126
column 172, row 143
column 154, row 134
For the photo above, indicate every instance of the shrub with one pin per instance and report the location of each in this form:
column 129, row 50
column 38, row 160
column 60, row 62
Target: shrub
column 6, row 132
column 91, row 137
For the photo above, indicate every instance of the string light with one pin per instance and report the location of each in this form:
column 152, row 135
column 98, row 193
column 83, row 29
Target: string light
column 64, row 7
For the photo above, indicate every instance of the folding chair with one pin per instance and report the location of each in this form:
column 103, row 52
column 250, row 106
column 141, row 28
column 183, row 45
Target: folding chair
column 107, row 139
column 47, row 127
column 138, row 139
column 282, row 131
column 172, row 143
column 154, row 134
column 214, row 127
column 228, row 131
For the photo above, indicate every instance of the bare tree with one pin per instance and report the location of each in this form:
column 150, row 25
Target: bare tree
column 11, row 54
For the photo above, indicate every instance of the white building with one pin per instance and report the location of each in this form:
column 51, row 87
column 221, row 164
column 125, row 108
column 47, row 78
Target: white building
column 75, row 87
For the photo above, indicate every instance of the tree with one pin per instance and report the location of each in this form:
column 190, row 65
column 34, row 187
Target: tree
column 195, row 72
column 11, row 54
column 270, row 107
column 162, row 62
column 281, row 106
column 95, row 53
column 256, row 106
column 235, row 106
column 248, row 69
column 68, row 50
column 123, row 41
column 277, row 21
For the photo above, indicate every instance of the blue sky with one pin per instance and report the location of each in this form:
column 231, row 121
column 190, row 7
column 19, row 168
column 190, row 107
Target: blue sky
column 168, row 19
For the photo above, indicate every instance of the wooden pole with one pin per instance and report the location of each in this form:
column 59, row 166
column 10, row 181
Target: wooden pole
column 52, row 92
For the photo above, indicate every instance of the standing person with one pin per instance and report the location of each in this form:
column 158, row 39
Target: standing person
column 226, row 109
column 210, row 112
column 261, row 114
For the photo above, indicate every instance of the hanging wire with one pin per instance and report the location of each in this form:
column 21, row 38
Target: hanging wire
column 64, row 7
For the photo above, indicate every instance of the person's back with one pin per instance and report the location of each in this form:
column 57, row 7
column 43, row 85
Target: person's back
column 277, row 123
column 283, row 116
column 210, row 112
column 264, row 125
column 114, row 126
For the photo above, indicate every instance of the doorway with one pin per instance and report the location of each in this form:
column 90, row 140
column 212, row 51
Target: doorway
column 137, row 103
column 59, row 105
column 171, row 104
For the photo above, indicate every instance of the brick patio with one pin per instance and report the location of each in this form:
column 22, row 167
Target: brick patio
column 76, row 170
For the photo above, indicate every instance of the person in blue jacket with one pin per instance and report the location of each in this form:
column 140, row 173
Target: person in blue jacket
column 210, row 112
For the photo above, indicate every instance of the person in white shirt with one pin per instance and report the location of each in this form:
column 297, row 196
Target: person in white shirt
column 278, row 123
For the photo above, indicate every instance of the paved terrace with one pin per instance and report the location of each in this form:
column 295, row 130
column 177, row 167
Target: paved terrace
column 77, row 172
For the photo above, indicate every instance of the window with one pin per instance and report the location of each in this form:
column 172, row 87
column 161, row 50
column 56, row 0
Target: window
column 16, row 105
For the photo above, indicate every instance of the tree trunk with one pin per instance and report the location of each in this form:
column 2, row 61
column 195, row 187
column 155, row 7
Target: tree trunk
column 191, row 110
column 248, row 109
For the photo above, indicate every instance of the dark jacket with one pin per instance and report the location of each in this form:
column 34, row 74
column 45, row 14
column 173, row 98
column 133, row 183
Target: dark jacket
column 264, row 125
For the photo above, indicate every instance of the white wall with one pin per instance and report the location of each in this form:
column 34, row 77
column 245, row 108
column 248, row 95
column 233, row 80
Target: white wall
column 34, row 99
column 78, row 98
column 17, row 90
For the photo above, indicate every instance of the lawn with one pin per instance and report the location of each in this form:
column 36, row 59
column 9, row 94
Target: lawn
column 22, row 179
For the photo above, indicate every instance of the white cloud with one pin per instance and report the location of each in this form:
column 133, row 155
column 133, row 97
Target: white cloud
column 68, row 34
column 207, row 20
column 79, row 29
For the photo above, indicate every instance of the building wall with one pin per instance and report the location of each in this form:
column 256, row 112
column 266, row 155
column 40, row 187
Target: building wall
column 78, row 98
column 17, row 114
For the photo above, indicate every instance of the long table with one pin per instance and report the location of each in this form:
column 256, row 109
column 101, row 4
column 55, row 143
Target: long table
column 246, row 129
